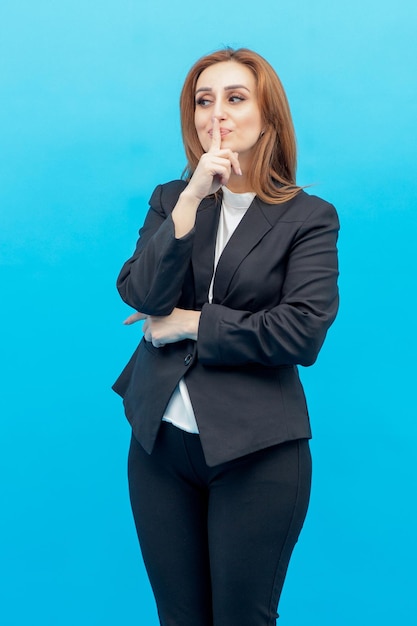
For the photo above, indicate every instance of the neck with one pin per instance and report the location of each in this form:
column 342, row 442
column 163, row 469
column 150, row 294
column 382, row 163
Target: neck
column 238, row 184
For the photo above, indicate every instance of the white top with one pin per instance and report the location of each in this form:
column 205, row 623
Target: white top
column 234, row 206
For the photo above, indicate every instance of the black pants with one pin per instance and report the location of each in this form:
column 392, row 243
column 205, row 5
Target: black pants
column 216, row 541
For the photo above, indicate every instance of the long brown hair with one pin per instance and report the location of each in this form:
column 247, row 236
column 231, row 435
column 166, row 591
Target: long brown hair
column 272, row 176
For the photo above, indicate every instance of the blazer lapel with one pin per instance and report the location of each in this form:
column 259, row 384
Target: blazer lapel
column 207, row 222
column 253, row 226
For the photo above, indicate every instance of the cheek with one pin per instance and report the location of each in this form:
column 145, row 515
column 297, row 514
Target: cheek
column 254, row 123
column 200, row 119
column 202, row 134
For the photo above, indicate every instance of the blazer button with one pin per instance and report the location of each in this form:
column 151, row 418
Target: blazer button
column 188, row 359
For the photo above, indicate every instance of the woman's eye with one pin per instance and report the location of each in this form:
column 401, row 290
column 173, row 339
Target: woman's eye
column 236, row 98
column 233, row 99
column 203, row 102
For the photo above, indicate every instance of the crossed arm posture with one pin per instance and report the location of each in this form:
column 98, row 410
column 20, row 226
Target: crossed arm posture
column 180, row 324
column 215, row 169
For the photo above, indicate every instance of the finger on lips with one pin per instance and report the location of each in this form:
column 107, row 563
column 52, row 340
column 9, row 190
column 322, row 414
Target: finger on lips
column 216, row 138
column 216, row 141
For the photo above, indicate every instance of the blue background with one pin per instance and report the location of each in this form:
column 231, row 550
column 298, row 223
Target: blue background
column 88, row 126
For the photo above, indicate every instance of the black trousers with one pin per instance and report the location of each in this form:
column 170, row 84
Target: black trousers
column 216, row 541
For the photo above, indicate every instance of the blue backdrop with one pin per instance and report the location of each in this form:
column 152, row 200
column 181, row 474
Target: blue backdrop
column 89, row 125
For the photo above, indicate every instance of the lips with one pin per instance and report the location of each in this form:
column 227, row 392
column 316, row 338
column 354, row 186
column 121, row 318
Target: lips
column 223, row 132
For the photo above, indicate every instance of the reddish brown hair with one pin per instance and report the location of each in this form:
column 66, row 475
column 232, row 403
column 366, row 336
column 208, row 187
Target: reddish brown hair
column 272, row 176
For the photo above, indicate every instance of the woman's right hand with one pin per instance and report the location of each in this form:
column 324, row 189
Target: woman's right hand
column 214, row 168
column 135, row 317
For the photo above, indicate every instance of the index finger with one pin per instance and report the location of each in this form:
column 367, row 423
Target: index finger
column 216, row 138
column 135, row 317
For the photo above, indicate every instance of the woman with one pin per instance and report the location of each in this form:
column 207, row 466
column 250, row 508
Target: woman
column 235, row 275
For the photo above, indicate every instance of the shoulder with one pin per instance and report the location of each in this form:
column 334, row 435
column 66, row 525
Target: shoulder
column 166, row 194
column 303, row 208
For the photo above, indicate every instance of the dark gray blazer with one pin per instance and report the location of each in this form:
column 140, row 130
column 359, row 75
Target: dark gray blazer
column 275, row 296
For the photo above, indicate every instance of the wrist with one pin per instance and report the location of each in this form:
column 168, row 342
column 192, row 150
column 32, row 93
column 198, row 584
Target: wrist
column 184, row 213
column 189, row 197
column 193, row 320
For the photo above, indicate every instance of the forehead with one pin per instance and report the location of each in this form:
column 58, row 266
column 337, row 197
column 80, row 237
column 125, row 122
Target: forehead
column 226, row 73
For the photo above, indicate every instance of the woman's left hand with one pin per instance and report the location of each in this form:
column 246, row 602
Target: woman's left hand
column 180, row 324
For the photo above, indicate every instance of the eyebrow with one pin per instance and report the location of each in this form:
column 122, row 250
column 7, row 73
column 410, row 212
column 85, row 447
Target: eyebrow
column 228, row 88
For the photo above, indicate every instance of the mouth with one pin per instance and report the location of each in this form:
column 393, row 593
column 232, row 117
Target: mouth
column 223, row 132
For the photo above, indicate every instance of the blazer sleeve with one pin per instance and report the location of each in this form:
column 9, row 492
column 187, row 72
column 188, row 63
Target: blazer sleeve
column 293, row 331
column 151, row 280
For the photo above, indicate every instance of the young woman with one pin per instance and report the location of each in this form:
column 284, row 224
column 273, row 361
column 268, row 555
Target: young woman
column 235, row 277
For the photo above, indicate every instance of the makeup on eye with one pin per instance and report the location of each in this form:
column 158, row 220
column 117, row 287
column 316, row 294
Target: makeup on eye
column 203, row 102
column 232, row 98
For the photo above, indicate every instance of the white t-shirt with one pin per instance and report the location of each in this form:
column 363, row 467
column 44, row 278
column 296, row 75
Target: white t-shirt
column 234, row 206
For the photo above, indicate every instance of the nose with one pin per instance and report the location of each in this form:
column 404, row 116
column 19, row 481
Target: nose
column 219, row 112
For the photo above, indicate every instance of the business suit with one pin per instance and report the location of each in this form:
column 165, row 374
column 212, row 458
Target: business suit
column 218, row 514
column 275, row 296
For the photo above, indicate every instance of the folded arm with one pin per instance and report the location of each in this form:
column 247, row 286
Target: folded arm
column 293, row 331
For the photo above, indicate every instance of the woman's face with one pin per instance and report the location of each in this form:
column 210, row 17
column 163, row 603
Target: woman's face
column 228, row 91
